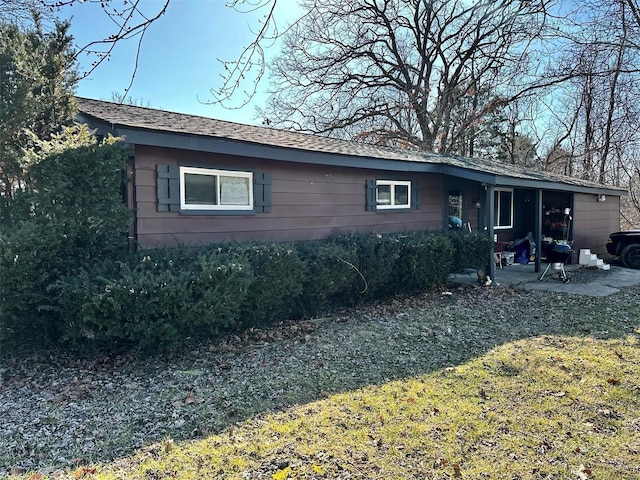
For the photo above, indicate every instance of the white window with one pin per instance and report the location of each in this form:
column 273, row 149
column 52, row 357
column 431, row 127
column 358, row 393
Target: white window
column 208, row 189
column 392, row 194
column 503, row 208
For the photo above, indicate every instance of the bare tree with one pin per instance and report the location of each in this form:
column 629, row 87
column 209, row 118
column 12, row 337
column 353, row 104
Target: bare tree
column 246, row 71
column 132, row 18
column 597, row 108
column 592, row 120
column 125, row 99
column 634, row 14
column 397, row 69
column 20, row 12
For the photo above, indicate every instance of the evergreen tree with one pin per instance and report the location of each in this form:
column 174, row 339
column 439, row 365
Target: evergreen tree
column 38, row 75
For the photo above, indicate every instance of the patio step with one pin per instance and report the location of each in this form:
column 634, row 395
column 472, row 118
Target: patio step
column 592, row 260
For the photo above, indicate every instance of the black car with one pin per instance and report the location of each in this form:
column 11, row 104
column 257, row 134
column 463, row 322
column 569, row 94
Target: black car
column 626, row 245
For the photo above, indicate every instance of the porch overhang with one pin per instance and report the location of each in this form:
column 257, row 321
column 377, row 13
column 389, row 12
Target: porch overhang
column 496, row 180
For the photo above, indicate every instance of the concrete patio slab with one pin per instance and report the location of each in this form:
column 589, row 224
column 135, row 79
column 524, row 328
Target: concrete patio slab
column 583, row 280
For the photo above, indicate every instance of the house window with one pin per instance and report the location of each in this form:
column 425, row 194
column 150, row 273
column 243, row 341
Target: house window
column 392, row 194
column 503, row 208
column 208, row 189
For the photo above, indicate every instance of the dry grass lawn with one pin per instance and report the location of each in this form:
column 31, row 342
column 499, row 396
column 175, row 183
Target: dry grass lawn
column 547, row 407
column 554, row 396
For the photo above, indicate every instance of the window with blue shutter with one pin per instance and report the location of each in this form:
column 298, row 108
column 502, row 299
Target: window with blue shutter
column 207, row 191
column 392, row 195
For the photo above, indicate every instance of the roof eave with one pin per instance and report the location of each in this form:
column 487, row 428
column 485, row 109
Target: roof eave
column 95, row 123
column 225, row 146
column 559, row 186
column 512, row 182
column 257, row 150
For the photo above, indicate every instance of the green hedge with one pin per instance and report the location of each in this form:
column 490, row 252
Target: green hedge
column 276, row 282
column 151, row 301
column 154, row 299
column 67, row 275
column 331, row 276
column 470, row 250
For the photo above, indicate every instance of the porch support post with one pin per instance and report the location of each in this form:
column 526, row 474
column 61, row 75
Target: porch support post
column 538, row 230
column 490, row 222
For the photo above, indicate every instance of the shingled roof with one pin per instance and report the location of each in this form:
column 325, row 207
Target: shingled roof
column 148, row 126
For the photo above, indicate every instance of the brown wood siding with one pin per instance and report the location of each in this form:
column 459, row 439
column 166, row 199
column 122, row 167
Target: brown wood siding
column 593, row 221
column 309, row 202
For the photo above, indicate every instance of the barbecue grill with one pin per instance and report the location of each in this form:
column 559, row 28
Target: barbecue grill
column 557, row 255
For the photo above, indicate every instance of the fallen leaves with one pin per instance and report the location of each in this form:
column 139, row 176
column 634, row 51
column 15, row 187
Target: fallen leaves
column 443, row 463
column 56, row 412
column 582, row 472
column 83, row 472
column 188, row 400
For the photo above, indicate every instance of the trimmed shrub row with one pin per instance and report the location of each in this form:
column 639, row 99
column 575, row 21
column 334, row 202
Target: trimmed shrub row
column 154, row 299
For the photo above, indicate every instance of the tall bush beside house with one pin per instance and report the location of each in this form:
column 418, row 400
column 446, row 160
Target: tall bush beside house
column 78, row 181
column 71, row 215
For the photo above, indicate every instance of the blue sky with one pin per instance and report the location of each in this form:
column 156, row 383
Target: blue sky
column 178, row 62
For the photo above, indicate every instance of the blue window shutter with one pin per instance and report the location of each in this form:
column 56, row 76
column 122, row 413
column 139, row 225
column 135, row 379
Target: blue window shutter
column 416, row 195
column 262, row 202
column 371, row 196
column 168, row 188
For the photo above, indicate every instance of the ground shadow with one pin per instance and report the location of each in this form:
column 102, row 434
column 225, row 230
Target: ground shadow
column 100, row 409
